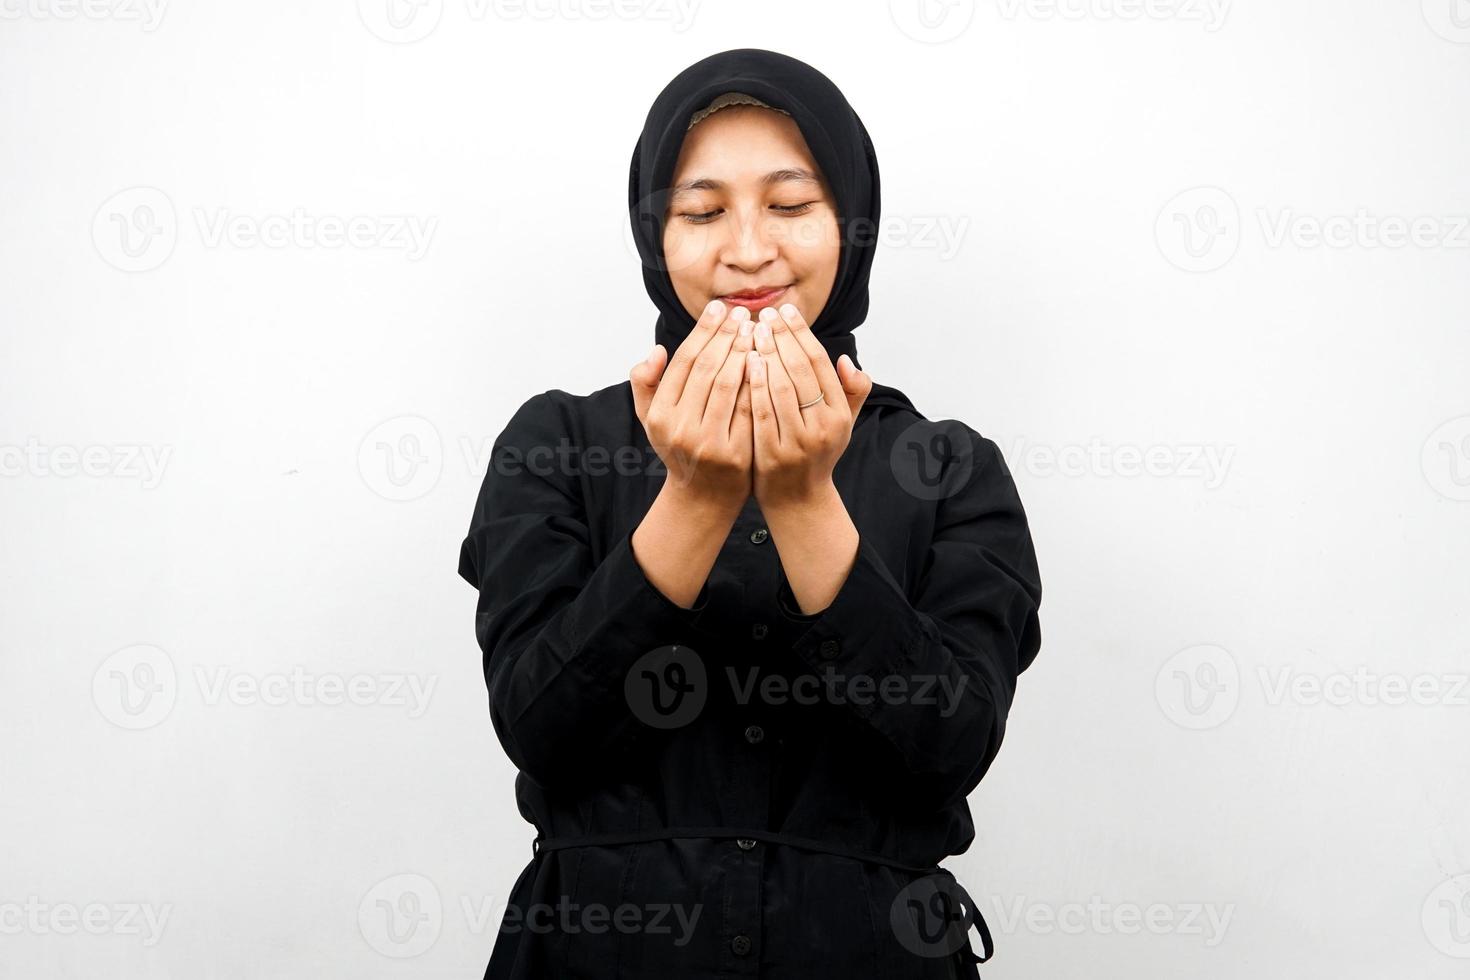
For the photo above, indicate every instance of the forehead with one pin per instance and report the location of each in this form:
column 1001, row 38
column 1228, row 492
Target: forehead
column 743, row 143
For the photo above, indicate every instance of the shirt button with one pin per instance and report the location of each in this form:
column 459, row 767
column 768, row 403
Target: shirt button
column 754, row 734
column 740, row 945
column 829, row 648
column 759, row 535
column 758, row 631
column 745, row 843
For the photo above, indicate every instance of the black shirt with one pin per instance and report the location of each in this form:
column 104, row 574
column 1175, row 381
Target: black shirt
column 738, row 789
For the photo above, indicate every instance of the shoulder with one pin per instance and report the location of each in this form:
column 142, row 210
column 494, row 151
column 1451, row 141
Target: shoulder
column 558, row 411
column 904, row 432
column 946, row 464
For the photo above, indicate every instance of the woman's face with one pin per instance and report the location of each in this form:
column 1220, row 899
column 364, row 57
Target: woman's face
column 750, row 215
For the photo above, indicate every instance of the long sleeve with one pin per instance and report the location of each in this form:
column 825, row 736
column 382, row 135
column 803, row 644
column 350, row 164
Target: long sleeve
column 559, row 631
column 951, row 652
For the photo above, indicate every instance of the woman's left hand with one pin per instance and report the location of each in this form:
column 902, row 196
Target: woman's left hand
column 796, row 448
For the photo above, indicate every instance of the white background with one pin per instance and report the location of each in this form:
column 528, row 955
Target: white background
column 317, row 414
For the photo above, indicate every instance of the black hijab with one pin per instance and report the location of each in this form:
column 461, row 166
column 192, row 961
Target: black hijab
column 838, row 142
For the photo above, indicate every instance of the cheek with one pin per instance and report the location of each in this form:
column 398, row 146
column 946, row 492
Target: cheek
column 812, row 246
column 686, row 248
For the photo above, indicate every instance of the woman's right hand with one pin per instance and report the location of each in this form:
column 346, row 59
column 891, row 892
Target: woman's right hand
column 697, row 415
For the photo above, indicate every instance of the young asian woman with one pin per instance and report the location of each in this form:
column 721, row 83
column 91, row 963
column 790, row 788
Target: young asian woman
column 753, row 638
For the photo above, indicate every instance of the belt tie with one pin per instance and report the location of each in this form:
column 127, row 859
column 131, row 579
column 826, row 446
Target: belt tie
column 964, row 957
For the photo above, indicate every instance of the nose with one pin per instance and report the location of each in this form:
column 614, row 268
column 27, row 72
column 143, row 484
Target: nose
column 751, row 244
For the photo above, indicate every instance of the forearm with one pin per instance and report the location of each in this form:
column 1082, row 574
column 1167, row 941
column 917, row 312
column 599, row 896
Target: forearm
column 679, row 539
column 818, row 543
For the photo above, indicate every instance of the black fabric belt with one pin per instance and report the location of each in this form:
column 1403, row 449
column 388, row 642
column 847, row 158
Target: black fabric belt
column 964, row 957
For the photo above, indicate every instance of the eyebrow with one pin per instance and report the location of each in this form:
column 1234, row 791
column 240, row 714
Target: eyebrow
column 774, row 177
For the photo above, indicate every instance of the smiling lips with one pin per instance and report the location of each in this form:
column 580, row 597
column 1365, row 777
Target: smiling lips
column 754, row 299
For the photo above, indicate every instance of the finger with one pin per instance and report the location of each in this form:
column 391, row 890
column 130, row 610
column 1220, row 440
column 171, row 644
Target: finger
column 817, row 356
column 856, row 384
column 740, row 427
column 707, row 364
column 796, row 360
column 778, row 381
column 682, row 359
column 765, row 436
column 644, row 379
column 725, row 388
column 740, row 422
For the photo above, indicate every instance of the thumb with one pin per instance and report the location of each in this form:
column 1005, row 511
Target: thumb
column 645, row 377
column 856, row 384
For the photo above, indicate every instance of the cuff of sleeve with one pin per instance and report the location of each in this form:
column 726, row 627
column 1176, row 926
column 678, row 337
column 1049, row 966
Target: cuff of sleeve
column 869, row 627
column 626, row 616
column 622, row 554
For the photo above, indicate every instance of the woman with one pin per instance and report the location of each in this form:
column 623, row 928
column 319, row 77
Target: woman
column 752, row 636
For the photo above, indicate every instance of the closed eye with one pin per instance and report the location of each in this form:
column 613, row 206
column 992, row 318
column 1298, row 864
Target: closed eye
column 788, row 209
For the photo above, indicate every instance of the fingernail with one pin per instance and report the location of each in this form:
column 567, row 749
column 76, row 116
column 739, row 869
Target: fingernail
column 741, row 313
column 768, row 314
column 788, row 311
column 715, row 308
column 651, row 355
column 756, row 365
column 763, row 331
column 745, row 328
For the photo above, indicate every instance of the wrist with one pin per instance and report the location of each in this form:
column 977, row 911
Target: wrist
column 804, row 504
column 699, row 507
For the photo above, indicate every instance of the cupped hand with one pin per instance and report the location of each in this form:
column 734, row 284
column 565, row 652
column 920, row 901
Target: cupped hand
column 697, row 412
column 796, row 449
